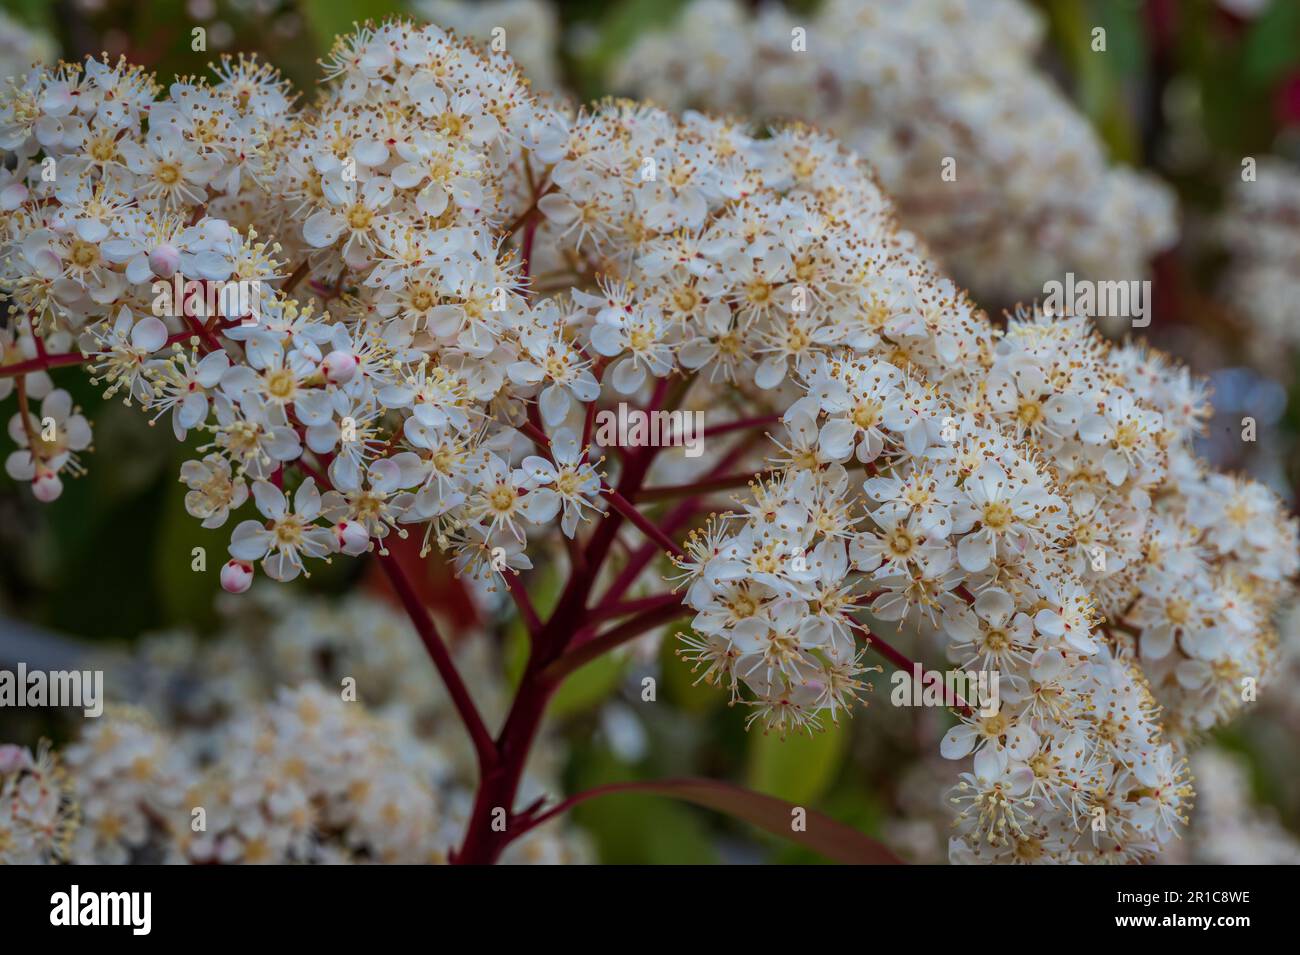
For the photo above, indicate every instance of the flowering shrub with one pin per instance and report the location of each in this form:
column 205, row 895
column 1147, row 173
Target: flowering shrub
column 443, row 282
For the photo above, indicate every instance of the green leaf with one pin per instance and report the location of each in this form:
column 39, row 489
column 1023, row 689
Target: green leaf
column 798, row 768
column 186, row 595
column 681, row 686
column 1273, row 44
column 852, row 803
column 633, row 828
column 621, row 26
column 330, row 18
column 834, row 840
column 636, row 829
column 588, row 685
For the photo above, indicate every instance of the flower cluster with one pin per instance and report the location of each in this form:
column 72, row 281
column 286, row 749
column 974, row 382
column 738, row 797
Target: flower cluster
column 20, row 47
column 307, row 732
column 38, row 814
column 1229, row 827
column 528, row 29
column 924, row 88
column 451, row 280
column 1260, row 228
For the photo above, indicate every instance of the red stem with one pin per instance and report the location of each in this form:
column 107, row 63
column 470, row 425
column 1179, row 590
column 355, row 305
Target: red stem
column 519, row 593
column 723, row 483
column 739, row 425
column 628, row 510
column 903, row 662
column 485, row 749
column 484, row 842
column 46, row 361
column 628, row 607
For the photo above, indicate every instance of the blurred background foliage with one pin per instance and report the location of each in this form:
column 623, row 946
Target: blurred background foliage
column 1187, row 89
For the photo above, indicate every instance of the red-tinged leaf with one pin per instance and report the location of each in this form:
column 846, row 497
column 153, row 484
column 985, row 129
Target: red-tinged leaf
column 822, row 834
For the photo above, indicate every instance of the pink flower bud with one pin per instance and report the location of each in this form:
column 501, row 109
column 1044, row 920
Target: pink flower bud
column 46, row 486
column 164, row 261
column 339, row 367
column 352, row 537
column 13, row 758
column 236, row 577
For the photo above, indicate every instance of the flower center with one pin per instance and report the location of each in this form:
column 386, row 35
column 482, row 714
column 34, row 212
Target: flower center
column 83, row 254
column 359, row 217
column 997, row 515
column 280, row 384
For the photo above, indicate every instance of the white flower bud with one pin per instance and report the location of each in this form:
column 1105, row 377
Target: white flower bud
column 46, row 486
column 13, row 758
column 164, row 261
column 339, row 367
column 352, row 537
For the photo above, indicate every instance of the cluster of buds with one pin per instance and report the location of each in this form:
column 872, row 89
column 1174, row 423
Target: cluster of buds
column 452, row 281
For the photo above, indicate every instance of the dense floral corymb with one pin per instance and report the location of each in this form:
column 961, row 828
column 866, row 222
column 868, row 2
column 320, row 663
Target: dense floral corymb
column 451, row 278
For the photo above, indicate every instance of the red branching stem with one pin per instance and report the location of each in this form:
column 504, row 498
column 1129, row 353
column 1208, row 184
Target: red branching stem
column 628, row 510
column 536, row 435
column 203, row 332
column 628, row 607
column 37, row 340
column 484, row 748
column 704, row 486
column 536, row 819
column 904, row 663
column 484, row 843
column 741, row 424
column 676, row 518
column 42, row 363
column 45, row 361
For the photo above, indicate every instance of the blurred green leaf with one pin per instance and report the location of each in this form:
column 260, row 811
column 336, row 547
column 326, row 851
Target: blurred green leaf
column 800, row 767
column 855, row 805
column 184, row 594
column 329, row 18
column 826, row 836
column 638, row 829
column 588, row 685
column 1272, row 44
column 621, row 25
column 681, row 686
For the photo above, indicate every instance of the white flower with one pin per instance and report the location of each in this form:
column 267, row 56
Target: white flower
column 287, row 536
column 213, row 492
column 570, row 476
column 48, row 445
